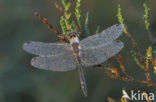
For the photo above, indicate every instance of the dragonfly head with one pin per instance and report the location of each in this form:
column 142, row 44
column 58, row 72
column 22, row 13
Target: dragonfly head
column 72, row 36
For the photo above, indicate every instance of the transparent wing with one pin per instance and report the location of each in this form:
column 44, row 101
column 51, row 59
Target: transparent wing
column 63, row 62
column 99, row 54
column 104, row 37
column 45, row 49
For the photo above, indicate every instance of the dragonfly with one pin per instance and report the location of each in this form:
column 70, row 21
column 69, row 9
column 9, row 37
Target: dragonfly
column 90, row 51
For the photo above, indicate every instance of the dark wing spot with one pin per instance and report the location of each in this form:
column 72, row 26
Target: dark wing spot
column 118, row 41
column 28, row 42
column 117, row 24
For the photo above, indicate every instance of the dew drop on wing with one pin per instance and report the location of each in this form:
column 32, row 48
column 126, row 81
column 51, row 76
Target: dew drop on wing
column 105, row 37
column 46, row 49
column 99, row 54
column 60, row 63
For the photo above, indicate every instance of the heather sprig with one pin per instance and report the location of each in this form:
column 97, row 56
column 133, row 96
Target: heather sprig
column 78, row 13
column 86, row 23
column 146, row 16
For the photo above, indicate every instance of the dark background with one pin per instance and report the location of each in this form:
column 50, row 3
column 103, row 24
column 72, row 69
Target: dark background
column 20, row 82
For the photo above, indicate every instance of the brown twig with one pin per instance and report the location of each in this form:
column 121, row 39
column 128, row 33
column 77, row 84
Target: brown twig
column 147, row 83
column 113, row 72
column 119, row 60
column 146, row 68
column 109, row 99
column 145, row 96
column 110, row 63
column 114, row 76
column 147, row 74
column 153, row 60
column 44, row 20
column 59, row 8
column 152, row 39
column 134, row 44
column 154, row 64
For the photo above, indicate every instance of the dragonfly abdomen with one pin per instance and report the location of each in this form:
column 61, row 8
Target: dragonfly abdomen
column 82, row 78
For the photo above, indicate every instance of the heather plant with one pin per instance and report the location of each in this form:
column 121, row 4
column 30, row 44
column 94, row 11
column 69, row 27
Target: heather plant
column 142, row 60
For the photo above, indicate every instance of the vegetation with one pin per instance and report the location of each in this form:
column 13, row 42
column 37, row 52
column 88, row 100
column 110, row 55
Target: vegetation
column 142, row 60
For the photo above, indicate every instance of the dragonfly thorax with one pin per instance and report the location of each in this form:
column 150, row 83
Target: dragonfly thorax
column 73, row 38
column 74, row 42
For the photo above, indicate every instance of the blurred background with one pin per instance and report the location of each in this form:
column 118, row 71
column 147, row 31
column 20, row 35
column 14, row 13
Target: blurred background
column 20, row 82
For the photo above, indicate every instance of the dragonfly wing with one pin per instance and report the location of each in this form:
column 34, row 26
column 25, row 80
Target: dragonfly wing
column 63, row 62
column 45, row 49
column 104, row 37
column 99, row 54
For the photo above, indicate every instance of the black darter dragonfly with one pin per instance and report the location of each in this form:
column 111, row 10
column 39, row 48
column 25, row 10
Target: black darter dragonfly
column 90, row 51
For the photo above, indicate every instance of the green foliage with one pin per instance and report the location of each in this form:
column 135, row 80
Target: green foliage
column 62, row 24
column 86, row 24
column 97, row 29
column 148, row 56
column 136, row 60
column 65, row 21
column 78, row 13
column 119, row 15
column 134, row 50
column 73, row 27
column 146, row 16
column 66, row 6
column 120, row 18
column 64, row 3
column 149, row 52
column 67, row 24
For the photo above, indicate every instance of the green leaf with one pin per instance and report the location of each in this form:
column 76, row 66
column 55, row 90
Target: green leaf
column 136, row 60
column 146, row 16
column 62, row 24
column 78, row 13
column 97, row 29
column 86, row 23
column 120, row 18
